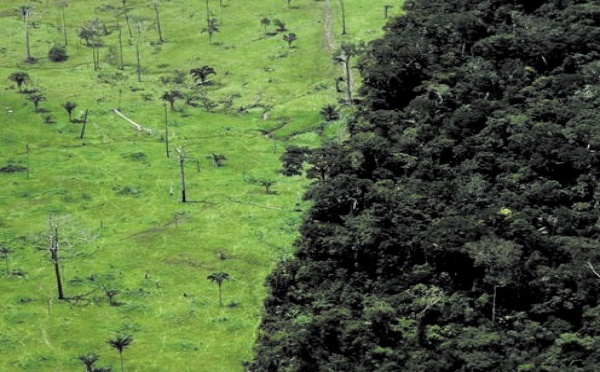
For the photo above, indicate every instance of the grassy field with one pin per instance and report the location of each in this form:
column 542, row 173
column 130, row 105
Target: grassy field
column 110, row 193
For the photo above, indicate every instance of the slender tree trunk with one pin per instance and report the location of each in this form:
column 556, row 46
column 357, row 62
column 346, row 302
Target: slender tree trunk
column 137, row 52
column 166, row 130
column 207, row 15
column 220, row 296
column 121, row 48
column 348, row 80
column 55, row 259
column 182, row 174
column 343, row 6
column 27, row 50
column 84, row 123
column 27, row 151
column 121, row 356
column 64, row 25
column 160, row 38
column 6, row 261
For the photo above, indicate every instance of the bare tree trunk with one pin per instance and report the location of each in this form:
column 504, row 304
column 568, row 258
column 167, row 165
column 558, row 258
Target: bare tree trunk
column 64, row 24
column 166, row 130
column 348, row 80
column 54, row 257
column 26, row 19
column 137, row 52
column 181, row 152
column 84, row 123
column 121, row 48
column 343, row 5
column 127, row 17
column 160, row 38
column 27, row 151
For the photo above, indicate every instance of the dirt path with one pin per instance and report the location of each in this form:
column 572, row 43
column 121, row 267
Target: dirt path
column 328, row 28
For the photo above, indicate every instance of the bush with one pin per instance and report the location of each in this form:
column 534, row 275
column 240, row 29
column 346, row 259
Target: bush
column 57, row 54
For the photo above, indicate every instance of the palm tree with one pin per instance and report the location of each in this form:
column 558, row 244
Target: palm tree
column 69, row 106
column 202, row 73
column 265, row 22
column 330, row 113
column 171, row 96
column 36, row 98
column 19, row 78
column 119, row 343
column 5, row 251
column 219, row 278
column 25, row 11
column 88, row 361
column 290, row 38
column 211, row 28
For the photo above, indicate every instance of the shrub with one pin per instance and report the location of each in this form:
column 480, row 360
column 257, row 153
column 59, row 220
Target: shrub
column 57, row 54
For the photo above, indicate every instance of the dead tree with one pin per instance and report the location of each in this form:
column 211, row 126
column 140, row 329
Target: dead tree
column 54, row 255
column 181, row 151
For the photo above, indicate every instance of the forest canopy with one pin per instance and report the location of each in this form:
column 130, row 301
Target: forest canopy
column 457, row 228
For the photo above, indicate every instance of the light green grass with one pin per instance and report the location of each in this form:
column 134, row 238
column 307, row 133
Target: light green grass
column 156, row 248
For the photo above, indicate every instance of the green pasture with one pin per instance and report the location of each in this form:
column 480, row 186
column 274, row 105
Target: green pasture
column 120, row 227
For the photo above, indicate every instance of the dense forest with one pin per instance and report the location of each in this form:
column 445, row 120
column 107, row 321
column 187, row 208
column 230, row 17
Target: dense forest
column 457, row 228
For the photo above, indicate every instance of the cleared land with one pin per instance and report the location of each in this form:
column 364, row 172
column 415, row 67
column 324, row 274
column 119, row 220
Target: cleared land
column 120, row 228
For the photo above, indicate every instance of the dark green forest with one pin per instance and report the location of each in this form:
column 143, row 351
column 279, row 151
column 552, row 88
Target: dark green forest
column 457, row 229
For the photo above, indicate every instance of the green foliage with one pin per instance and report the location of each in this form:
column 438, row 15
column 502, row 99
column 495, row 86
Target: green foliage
column 19, row 78
column 465, row 189
column 58, row 54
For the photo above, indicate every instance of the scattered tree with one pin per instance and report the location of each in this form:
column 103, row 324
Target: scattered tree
column 344, row 55
column 5, row 252
column 54, row 256
column 201, row 74
column 171, row 96
column 280, row 26
column 265, row 22
column 36, row 98
column 124, row 3
column 26, row 11
column 181, row 152
column 290, row 38
column 217, row 159
column 219, row 278
column 120, row 343
column 343, row 8
column 156, row 6
column 330, row 113
column 57, row 54
column 211, row 28
column 19, row 78
column 88, row 361
column 138, row 27
column 69, row 107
